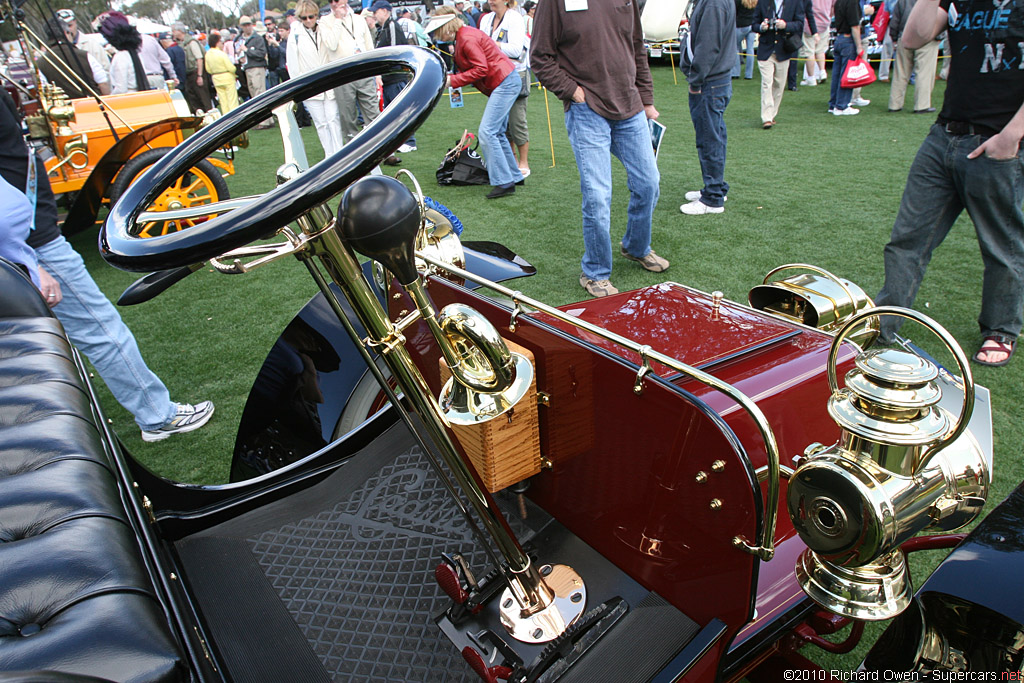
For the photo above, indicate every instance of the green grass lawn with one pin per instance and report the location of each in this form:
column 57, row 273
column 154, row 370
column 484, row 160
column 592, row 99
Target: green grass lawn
column 815, row 189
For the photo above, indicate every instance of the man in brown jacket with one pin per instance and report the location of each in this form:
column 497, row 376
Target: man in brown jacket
column 591, row 55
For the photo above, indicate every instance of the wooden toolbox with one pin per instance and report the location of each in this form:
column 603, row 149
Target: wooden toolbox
column 504, row 450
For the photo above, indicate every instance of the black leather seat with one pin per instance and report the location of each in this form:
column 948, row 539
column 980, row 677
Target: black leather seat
column 75, row 595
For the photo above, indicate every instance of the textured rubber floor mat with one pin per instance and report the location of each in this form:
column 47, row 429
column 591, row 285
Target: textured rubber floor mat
column 358, row 578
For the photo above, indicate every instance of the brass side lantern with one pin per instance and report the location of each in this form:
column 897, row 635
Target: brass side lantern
column 902, row 464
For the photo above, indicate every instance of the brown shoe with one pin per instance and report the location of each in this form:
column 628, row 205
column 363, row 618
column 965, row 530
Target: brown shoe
column 392, row 160
column 651, row 262
column 597, row 288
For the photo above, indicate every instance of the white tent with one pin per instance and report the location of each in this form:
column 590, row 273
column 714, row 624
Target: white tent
column 147, row 26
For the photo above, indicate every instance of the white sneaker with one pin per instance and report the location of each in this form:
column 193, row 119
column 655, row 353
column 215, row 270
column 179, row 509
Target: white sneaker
column 699, row 208
column 832, row 110
column 695, row 195
column 186, row 419
column 406, row 148
column 810, row 82
column 860, row 102
column 822, row 76
column 849, row 111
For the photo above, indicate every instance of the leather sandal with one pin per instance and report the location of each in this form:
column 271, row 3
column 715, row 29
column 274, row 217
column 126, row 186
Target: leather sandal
column 996, row 343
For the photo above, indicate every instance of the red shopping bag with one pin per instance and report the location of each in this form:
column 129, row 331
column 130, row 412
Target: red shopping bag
column 881, row 22
column 858, row 73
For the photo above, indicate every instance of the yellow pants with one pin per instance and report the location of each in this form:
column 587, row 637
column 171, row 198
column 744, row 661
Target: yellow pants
column 227, row 97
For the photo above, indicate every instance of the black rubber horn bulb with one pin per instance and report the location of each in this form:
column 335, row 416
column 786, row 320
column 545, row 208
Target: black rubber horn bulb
column 378, row 218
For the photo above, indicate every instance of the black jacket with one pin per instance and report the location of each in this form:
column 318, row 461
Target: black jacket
column 771, row 41
column 390, row 33
column 75, row 60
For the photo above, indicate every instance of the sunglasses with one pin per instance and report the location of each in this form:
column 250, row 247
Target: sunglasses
column 309, row 16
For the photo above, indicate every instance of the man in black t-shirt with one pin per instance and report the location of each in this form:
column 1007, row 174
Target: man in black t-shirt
column 970, row 160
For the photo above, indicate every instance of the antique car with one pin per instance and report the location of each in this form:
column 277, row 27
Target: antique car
column 438, row 478
column 95, row 147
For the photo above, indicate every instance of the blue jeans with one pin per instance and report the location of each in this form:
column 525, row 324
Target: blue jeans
column 95, row 327
column 844, row 52
column 744, row 35
column 501, row 164
column 707, row 111
column 388, row 93
column 594, row 139
column 941, row 184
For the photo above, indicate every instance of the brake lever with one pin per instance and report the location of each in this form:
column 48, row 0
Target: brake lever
column 149, row 286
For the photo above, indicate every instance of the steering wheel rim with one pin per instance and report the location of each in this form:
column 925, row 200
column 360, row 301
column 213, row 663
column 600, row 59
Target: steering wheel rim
column 283, row 204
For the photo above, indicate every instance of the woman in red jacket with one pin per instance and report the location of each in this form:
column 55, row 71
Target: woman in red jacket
column 480, row 62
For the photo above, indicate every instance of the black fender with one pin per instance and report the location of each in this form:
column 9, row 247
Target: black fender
column 969, row 614
column 90, row 198
column 313, row 370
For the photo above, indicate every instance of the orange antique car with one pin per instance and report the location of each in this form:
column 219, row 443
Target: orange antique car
column 94, row 147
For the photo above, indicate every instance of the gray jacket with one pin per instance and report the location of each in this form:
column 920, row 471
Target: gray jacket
column 711, row 52
column 255, row 51
column 898, row 18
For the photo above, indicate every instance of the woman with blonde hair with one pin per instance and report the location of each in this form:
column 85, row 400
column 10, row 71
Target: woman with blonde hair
column 303, row 56
column 481, row 63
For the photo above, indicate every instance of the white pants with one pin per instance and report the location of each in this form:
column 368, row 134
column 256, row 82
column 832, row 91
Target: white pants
column 325, row 118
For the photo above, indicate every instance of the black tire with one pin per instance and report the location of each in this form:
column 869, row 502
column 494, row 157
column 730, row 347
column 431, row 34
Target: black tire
column 212, row 187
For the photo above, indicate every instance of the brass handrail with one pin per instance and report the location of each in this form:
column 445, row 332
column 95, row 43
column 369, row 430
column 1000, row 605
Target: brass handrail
column 765, row 547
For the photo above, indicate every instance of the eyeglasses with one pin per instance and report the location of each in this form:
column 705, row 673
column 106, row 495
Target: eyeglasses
column 335, row 2
column 309, row 16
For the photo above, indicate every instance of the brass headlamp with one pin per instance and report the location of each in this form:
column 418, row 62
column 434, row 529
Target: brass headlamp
column 902, row 464
column 816, row 298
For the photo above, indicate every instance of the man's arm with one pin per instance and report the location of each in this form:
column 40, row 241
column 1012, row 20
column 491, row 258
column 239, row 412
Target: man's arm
column 644, row 84
column 547, row 29
column 329, row 34
column 256, row 49
column 926, row 21
column 1006, row 143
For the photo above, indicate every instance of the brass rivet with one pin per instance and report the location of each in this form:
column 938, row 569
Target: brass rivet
column 396, row 295
column 701, row 478
column 174, row 577
column 715, row 504
column 718, row 466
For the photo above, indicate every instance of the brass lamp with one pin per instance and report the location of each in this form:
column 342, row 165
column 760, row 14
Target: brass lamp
column 902, row 464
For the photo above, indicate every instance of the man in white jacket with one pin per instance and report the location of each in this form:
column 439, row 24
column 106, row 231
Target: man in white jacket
column 343, row 35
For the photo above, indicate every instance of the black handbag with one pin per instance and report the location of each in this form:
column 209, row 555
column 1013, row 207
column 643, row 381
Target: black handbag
column 462, row 165
column 792, row 43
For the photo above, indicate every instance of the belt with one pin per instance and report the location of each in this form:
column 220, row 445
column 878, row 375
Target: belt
column 964, row 128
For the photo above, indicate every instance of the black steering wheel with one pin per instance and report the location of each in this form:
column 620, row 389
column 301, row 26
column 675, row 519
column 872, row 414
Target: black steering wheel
column 277, row 208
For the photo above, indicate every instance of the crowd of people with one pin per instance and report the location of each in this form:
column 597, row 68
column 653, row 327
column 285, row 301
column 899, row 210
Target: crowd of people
column 593, row 59
column 223, row 67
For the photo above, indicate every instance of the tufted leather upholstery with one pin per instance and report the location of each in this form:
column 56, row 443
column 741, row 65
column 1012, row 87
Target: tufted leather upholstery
column 75, row 597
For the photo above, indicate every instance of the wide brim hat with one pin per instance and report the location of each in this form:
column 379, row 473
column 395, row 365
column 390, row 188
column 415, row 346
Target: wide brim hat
column 438, row 21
